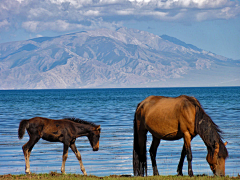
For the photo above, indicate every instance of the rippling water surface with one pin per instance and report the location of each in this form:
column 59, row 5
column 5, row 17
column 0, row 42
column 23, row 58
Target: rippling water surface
column 114, row 110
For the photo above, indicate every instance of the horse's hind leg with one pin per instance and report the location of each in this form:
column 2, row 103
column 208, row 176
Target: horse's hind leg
column 153, row 152
column 78, row 155
column 64, row 157
column 187, row 144
column 142, row 138
column 180, row 164
column 27, row 148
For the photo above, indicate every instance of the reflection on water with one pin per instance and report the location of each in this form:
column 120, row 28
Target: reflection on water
column 114, row 110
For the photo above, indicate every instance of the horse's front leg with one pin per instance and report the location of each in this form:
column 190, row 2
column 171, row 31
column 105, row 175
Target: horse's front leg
column 78, row 155
column 187, row 144
column 181, row 161
column 64, row 157
column 153, row 152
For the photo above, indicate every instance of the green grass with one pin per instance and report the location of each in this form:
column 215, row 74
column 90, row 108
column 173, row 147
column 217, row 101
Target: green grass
column 58, row 176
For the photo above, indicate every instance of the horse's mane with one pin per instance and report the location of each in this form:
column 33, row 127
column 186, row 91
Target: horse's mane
column 207, row 129
column 80, row 121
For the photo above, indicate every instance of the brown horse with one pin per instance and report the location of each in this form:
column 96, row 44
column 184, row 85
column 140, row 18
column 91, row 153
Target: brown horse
column 172, row 119
column 64, row 130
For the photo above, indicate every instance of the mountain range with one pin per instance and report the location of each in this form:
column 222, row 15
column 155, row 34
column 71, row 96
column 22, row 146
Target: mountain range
column 106, row 58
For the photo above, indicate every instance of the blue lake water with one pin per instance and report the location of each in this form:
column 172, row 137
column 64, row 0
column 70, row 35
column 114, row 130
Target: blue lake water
column 114, row 110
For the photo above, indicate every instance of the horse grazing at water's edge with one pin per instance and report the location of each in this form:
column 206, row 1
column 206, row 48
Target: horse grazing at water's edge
column 170, row 118
column 63, row 130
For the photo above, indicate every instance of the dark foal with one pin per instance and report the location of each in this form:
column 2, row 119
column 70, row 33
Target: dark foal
column 63, row 130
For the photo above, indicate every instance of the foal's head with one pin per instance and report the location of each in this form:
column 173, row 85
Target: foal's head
column 217, row 161
column 94, row 136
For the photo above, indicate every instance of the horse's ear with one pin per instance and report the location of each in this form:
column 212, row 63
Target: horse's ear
column 225, row 143
column 98, row 128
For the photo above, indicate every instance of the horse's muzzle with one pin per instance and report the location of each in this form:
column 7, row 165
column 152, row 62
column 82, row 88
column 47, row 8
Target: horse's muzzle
column 219, row 174
column 95, row 149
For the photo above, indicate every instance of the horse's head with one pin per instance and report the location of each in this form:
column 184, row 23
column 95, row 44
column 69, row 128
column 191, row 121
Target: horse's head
column 94, row 136
column 216, row 162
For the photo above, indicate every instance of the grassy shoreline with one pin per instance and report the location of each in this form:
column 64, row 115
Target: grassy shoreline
column 59, row 176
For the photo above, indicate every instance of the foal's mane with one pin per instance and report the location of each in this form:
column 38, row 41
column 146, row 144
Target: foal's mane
column 207, row 129
column 80, row 121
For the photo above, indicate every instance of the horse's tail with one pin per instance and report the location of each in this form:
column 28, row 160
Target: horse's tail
column 24, row 124
column 139, row 161
column 136, row 165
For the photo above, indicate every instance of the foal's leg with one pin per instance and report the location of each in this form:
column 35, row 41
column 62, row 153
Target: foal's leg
column 78, row 155
column 153, row 152
column 180, row 165
column 64, row 157
column 27, row 148
column 187, row 144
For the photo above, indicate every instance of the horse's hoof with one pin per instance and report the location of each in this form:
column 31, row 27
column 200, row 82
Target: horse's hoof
column 179, row 173
column 190, row 174
column 155, row 171
column 27, row 172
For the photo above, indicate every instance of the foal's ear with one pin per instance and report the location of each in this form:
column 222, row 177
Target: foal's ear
column 225, row 143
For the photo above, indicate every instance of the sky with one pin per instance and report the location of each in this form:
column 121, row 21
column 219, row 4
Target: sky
column 212, row 25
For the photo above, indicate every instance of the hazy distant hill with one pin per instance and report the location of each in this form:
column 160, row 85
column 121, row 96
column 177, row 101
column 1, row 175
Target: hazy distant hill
column 106, row 58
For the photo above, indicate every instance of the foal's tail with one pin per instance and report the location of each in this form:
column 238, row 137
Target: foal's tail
column 22, row 126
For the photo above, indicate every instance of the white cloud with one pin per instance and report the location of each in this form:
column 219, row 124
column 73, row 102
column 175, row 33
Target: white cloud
column 196, row 3
column 62, row 26
column 4, row 23
column 20, row 1
column 125, row 12
column 31, row 26
column 38, row 12
column 39, row 35
column 91, row 13
column 59, row 25
column 65, row 15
